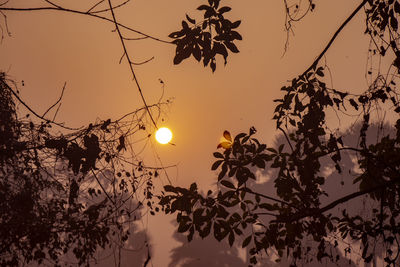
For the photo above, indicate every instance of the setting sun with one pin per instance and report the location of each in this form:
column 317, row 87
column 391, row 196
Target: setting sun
column 163, row 135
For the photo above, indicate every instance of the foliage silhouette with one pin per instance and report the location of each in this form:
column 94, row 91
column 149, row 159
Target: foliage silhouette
column 71, row 193
column 77, row 186
column 81, row 191
column 297, row 211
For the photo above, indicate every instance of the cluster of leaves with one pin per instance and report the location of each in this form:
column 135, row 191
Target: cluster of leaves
column 66, row 194
column 383, row 27
column 205, row 39
column 297, row 211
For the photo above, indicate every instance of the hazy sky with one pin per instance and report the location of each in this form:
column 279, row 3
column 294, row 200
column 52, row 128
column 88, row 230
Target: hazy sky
column 47, row 49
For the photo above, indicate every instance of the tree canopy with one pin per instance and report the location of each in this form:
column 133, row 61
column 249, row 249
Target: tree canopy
column 287, row 221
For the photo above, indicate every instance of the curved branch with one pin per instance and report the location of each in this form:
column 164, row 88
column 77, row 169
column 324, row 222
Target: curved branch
column 316, row 212
column 82, row 13
column 247, row 190
column 130, row 63
column 314, row 64
column 33, row 112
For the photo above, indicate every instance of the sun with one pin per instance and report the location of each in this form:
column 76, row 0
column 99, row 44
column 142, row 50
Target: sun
column 163, row 135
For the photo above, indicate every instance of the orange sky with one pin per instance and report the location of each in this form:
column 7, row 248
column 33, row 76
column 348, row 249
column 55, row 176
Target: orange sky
column 47, row 49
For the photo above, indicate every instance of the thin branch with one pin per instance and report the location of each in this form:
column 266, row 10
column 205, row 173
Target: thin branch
column 143, row 62
column 82, row 13
column 247, row 190
column 94, row 6
column 59, row 99
column 287, row 138
column 266, row 213
column 130, row 65
column 53, row 4
column 33, row 112
column 314, row 64
column 104, row 190
column 108, row 9
column 135, row 39
column 316, row 212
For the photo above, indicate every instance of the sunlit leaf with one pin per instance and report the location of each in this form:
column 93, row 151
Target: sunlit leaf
column 225, row 145
column 227, row 135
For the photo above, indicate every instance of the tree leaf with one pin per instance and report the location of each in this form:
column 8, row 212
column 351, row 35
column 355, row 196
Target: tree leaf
column 231, row 238
column 231, row 46
column 227, row 135
column 190, row 19
column 225, row 145
column 246, row 241
column 216, row 165
column 224, row 9
column 228, row 184
column 235, row 24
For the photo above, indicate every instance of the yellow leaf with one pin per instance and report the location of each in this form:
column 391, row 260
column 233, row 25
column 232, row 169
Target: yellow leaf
column 227, row 136
column 225, row 145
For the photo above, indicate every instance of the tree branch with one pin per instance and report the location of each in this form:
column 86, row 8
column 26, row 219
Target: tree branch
column 82, row 13
column 247, row 190
column 33, row 112
column 130, row 65
column 314, row 64
column 316, row 212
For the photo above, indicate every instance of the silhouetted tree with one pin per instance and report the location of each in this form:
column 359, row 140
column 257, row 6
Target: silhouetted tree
column 65, row 193
column 302, row 223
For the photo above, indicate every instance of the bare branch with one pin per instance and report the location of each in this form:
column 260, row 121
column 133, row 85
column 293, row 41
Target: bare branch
column 59, row 99
column 108, row 9
column 143, row 62
column 117, row 25
column 314, row 64
column 30, row 9
column 33, row 112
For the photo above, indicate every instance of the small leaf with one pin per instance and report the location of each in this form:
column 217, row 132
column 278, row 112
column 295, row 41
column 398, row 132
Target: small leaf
column 224, row 9
column 319, row 72
column 235, row 24
column 227, row 184
column 227, row 135
column 246, row 241
column 231, row 238
column 190, row 19
column 216, row 165
column 203, row 7
column 231, row 46
column 218, row 155
column 353, row 103
column 185, row 25
column 397, row 7
column 225, row 145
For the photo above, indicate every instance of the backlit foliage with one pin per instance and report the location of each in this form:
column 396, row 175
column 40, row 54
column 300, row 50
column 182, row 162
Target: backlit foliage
column 296, row 214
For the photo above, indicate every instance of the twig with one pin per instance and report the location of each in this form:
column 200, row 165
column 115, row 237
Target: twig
column 108, row 9
column 104, row 190
column 287, row 138
column 34, row 113
column 83, row 13
column 143, row 62
column 59, row 99
column 130, row 65
column 247, row 190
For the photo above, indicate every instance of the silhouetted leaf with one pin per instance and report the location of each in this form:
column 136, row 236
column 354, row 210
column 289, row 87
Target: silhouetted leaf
column 235, row 24
column 246, row 241
column 190, row 19
column 231, row 46
column 224, row 9
column 227, row 184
